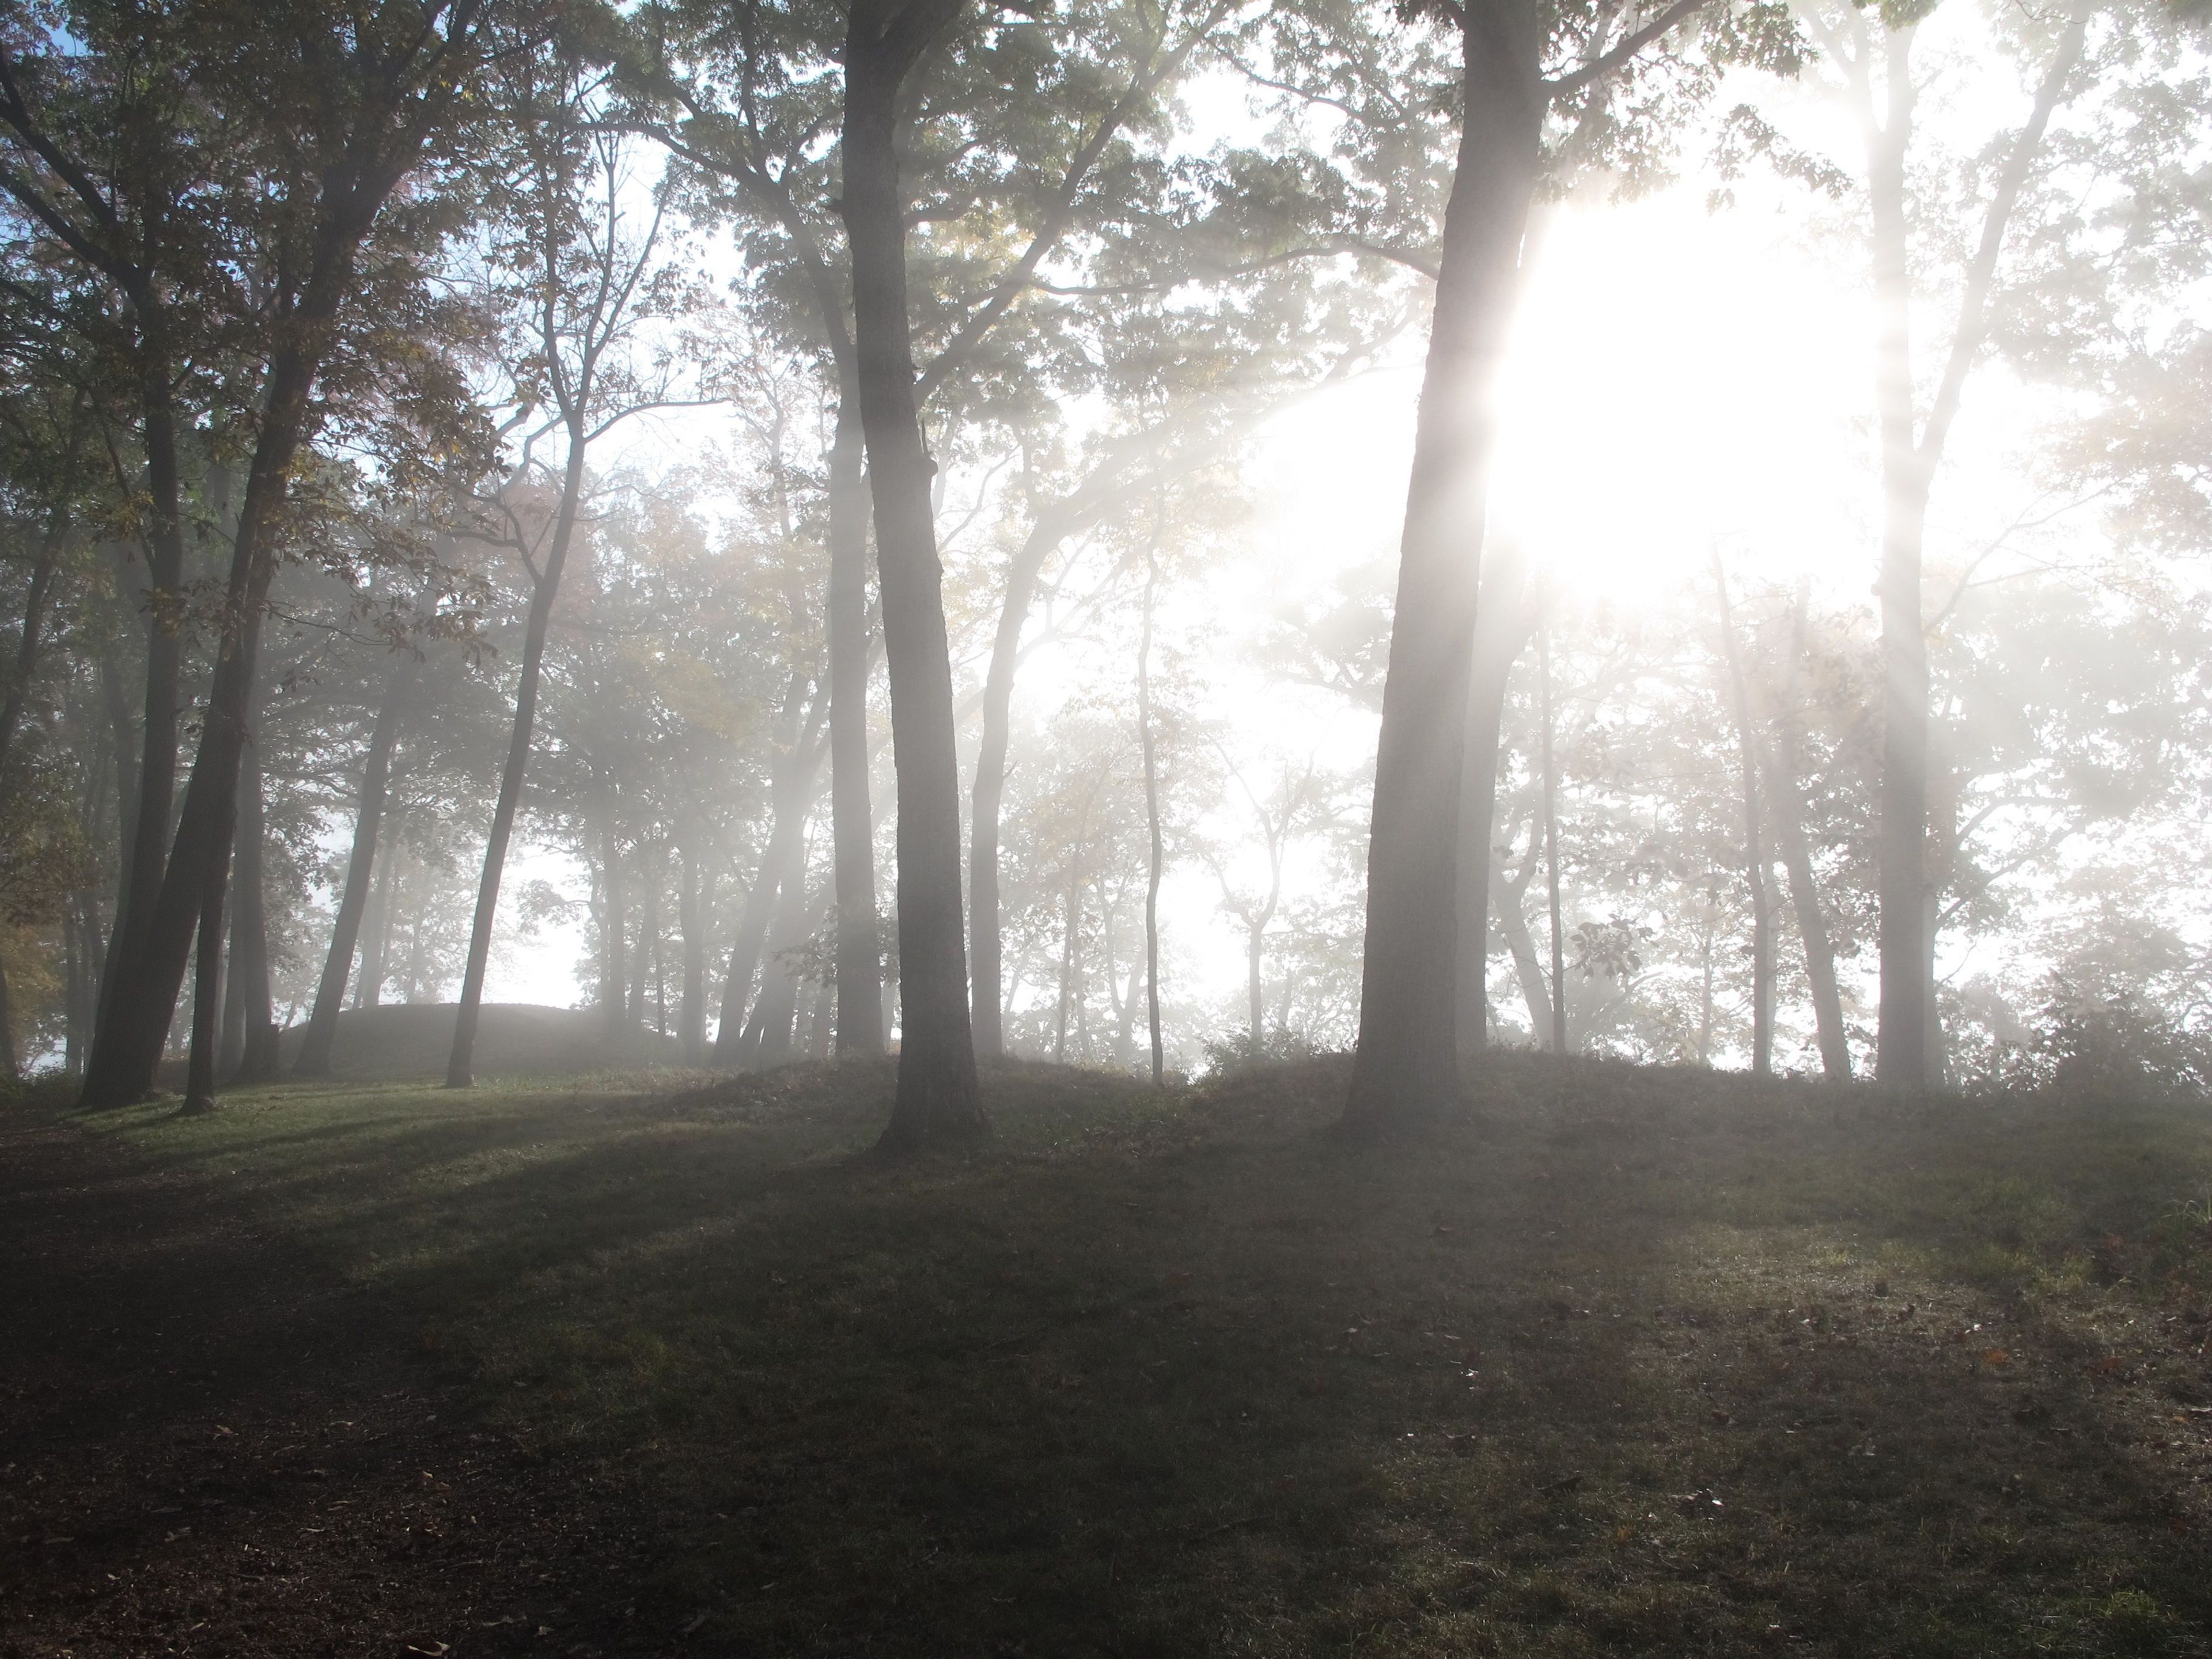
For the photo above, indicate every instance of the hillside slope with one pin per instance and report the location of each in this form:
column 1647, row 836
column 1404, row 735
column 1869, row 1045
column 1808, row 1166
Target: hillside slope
column 1630, row 1362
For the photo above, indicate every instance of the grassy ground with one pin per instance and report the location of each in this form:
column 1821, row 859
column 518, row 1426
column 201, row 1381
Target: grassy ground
column 1631, row 1363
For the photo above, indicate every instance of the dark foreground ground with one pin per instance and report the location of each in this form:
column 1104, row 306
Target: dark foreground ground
column 1633, row 1363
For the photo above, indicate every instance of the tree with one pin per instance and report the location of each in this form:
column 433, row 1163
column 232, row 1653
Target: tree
column 1405, row 1066
column 938, row 1096
column 583, row 281
column 336, row 143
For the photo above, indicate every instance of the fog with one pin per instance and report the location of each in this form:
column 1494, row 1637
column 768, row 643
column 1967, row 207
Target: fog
column 471, row 594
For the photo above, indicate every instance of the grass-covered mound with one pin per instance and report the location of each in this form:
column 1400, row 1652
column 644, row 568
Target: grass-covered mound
column 416, row 1039
column 1630, row 1362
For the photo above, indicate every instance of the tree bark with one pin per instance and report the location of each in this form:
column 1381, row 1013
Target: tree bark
column 1907, row 1053
column 1901, row 1049
column 790, row 792
column 26, row 643
column 1755, row 848
column 1797, row 861
column 1154, row 858
column 316, row 1046
column 112, row 1066
column 248, row 981
column 768, row 1034
column 142, row 999
column 1503, row 623
column 614, row 994
column 460, row 1067
column 376, row 925
column 936, row 1091
column 691, row 1012
column 1551, row 850
column 1406, row 1066
column 1513, row 923
column 988, row 796
column 858, row 951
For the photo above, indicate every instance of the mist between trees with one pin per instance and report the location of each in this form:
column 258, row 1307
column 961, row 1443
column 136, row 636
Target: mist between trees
column 774, row 501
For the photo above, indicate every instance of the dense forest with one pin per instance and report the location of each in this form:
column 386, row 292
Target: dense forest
column 804, row 531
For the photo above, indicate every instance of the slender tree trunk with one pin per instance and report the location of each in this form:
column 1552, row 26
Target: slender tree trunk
column 315, row 1047
column 1501, row 630
column 691, row 1012
column 1255, row 1007
column 27, row 641
column 1154, row 858
column 614, row 994
column 852, row 821
column 1905, row 1048
column 207, row 992
column 644, row 959
column 113, row 1066
column 1705, row 984
column 460, row 1067
column 937, row 1090
column 1528, row 972
column 1551, row 850
column 1754, row 845
column 988, row 796
column 767, row 1035
column 1125, row 1003
column 1943, row 854
column 1407, row 1064
column 384, row 906
column 129, row 1048
column 1069, row 923
column 1797, row 861
column 248, row 980
column 786, row 852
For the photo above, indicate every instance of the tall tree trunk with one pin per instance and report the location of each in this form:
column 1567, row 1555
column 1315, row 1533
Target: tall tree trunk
column 144, row 990
column 790, row 790
column 1255, row 1007
column 1154, row 858
column 859, row 949
column 1407, row 1064
column 315, row 1047
column 1754, row 845
column 1705, row 983
column 1071, row 921
column 384, row 905
column 1942, row 871
column 644, row 959
column 690, row 919
column 614, row 993
column 113, row 1066
column 1502, row 626
column 767, row 1033
column 1797, row 861
column 247, row 983
column 988, row 796
column 937, row 1090
column 27, row 641
column 1551, row 849
column 1905, row 1047
column 1513, row 923
column 1901, row 1049
column 460, row 1067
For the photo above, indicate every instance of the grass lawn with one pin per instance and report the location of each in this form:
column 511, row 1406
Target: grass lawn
column 1632, row 1362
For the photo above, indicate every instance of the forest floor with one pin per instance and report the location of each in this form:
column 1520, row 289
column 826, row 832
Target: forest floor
column 1632, row 1362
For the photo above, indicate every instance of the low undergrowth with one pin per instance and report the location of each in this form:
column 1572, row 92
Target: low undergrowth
column 1628, row 1362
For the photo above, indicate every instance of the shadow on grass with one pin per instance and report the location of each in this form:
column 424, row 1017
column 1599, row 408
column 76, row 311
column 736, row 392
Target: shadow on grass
column 1629, row 1362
